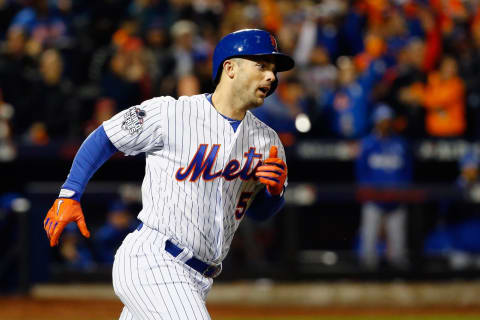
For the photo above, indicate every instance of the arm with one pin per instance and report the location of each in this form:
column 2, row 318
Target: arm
column 273, row 174
column 95, row 150
column 373, row 74
column 131, row 131
column 93, row 153
column 433, row 44
column 265, row 206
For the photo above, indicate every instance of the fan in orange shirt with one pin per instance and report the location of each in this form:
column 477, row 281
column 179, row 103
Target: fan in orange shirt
column 444, row 99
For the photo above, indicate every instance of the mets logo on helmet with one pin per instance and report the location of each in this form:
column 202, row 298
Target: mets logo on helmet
column 274, row 42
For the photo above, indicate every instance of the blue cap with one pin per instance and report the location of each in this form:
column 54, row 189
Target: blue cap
column 249, row 42
column 382, row 112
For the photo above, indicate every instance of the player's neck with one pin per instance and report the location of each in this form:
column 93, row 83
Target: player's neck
column 227, row 104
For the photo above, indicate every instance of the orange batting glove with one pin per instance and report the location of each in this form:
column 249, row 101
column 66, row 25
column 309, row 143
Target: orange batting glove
column 60, row 214
column 273, row 172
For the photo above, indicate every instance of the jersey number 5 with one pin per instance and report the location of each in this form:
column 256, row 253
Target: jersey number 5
column 242, row 204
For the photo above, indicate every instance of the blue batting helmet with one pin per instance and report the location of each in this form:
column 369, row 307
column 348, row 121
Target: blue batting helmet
column 249, row 42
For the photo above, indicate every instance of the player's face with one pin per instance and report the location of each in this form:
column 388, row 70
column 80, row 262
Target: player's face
column 255, row 78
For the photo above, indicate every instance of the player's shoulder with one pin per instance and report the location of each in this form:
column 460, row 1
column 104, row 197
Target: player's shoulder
column 258, row 127
column 169, row 101
column 187, row 102
column 256, row 123
column 194, row 99
column 157, row 102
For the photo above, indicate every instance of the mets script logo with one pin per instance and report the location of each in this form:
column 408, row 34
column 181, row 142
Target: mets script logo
column 202, row 164
column 274, row 42
column 133, row 120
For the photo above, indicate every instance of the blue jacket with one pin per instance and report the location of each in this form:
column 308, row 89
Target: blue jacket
column 347, row 107
column 384, row 161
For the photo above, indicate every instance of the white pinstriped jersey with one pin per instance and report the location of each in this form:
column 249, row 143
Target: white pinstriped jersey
column 198, row 178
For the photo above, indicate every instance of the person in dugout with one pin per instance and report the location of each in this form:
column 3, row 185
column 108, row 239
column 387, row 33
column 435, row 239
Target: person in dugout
column 384, row 161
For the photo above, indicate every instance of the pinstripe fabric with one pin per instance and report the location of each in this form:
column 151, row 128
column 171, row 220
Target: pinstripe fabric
column 152, row 284
column 197, row 215
column 197, row 211
column 126, row 315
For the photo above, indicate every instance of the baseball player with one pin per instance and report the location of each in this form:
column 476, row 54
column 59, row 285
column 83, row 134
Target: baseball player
column 209, row 162
column 384, row 161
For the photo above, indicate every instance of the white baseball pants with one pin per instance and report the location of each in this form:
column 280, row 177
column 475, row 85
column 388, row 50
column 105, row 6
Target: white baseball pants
column 373, row 217
column 152, row 284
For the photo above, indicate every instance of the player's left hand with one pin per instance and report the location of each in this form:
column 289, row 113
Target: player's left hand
column 60, row 214
column 273, row 172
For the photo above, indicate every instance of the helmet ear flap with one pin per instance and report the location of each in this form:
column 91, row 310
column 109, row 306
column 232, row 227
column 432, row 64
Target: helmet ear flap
column 219, row 71
column 218, row 74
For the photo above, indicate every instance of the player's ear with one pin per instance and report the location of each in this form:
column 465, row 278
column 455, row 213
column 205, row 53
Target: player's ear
column 229, row 68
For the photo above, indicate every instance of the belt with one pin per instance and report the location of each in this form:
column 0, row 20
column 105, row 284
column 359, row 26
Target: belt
column 207, row 270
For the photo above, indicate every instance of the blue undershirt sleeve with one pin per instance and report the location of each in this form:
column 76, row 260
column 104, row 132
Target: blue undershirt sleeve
column 265, row 206
column 93, row 153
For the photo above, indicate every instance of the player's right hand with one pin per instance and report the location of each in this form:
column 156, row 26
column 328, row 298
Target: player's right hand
column 60, row 214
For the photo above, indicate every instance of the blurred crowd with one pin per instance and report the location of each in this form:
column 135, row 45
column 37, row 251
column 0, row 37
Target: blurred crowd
column 77, row 253
column 65, row 66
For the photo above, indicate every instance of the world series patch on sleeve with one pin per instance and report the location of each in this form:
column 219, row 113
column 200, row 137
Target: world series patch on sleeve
column 133, row 120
